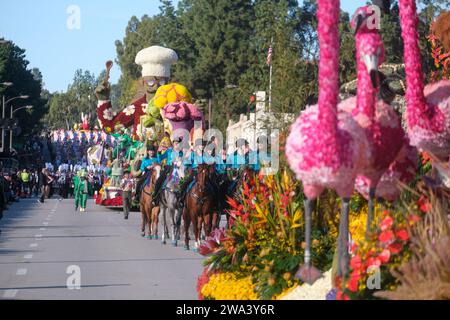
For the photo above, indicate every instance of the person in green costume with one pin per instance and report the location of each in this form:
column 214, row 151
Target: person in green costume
column 125, row 142
column 76, row 182
column 82, row 191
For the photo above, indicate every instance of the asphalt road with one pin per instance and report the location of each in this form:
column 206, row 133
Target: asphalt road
column 48, row 250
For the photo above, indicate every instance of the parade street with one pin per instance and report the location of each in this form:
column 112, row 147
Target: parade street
column 44, row 247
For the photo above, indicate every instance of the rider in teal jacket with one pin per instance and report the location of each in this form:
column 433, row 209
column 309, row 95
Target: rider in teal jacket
column 170, row 156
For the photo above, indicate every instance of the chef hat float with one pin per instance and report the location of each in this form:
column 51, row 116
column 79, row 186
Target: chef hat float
column 156, row 61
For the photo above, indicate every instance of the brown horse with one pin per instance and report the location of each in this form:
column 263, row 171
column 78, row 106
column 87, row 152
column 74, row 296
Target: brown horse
column 149, row 213
column 199, row 207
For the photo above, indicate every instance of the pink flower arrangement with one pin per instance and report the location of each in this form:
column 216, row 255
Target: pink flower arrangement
column 182, row 111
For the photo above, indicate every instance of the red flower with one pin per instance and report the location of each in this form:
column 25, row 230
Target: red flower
column 246, row 189
column 386, row 236
column 373, row 262
column 356, row 263
column 402, row 235
column 353, row 283
column 232, row 203
column 385, row 256
column 395, row 248
column 201, row 281
column 245, row 217
column 341, row 296
column 387, row 223
column 424, row 204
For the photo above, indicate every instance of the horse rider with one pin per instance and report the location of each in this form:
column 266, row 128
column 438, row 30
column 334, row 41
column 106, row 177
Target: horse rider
column 172, row 154
column 197, row 157
column 240, row 157
column 147, row 165
column 260, row 157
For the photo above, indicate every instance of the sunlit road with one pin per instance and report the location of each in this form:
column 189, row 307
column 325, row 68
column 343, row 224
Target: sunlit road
column 40, row 243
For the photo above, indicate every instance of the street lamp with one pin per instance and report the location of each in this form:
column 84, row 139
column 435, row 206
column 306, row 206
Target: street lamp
column 11, row 131
column 5, row 103
column 26, row 107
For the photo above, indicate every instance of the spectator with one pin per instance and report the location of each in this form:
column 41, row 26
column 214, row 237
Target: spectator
column 25, row 177
column 43, row 184
column 127, row 185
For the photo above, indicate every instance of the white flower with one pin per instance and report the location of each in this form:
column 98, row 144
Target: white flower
column 108, row 114
column 129, row 110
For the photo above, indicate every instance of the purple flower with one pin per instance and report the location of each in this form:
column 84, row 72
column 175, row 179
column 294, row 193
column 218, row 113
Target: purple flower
column 331, row 295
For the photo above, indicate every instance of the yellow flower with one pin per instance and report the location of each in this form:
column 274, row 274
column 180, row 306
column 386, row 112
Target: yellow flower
column 227, row 286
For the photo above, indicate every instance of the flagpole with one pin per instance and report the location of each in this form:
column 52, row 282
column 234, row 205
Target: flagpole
column 270, row 78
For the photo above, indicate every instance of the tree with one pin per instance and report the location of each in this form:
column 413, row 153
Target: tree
column 14, row 68
column 66, row 108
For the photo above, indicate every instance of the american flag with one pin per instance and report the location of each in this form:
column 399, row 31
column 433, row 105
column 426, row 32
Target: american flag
column 269, row 56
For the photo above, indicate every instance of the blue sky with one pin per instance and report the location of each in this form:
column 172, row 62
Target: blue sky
column 40, row 27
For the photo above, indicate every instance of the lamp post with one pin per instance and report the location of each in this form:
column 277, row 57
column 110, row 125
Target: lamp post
column 5, row 103
column 11, row 131
column 4, row 84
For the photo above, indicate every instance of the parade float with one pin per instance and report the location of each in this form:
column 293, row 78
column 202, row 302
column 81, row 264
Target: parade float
column 166, row 109
column 405, row 252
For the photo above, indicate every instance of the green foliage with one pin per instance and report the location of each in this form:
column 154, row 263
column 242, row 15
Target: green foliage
column 14, row 68
column 66, row 108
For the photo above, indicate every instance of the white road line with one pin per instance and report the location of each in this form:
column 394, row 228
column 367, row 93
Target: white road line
column 28, row 256
column 21, row 272
column 42, row 229
column 33, row 245
column 45, row 223
column 38, row 236
column 10, row 293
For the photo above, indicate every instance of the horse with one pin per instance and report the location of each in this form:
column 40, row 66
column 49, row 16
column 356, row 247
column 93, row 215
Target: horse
column 170, row 206
column 199, row 208
column 149, row 213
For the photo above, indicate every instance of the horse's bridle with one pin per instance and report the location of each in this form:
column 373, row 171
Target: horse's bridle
column 202, row 190
column 151, row 184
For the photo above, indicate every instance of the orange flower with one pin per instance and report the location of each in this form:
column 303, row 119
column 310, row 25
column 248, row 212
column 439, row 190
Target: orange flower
column 414, row 218
column 425, row 158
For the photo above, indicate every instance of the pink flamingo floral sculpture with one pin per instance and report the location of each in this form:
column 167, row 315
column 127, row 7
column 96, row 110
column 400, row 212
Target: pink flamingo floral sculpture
column 428, row 108
column 402, row 170
column 324, row 147
column 380, row 123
